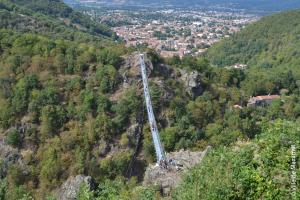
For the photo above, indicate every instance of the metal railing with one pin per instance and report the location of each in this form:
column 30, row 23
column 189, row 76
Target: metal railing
column 160, row 154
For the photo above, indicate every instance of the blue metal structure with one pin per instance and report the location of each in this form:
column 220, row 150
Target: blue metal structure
column 160, row 154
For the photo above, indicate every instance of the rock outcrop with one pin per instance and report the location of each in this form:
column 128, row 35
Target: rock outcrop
column 130, row 70
column 70, row 187
column 132, row 132
column 192, row 81
column 8, row 156
column 131, row 75
column 170, row 177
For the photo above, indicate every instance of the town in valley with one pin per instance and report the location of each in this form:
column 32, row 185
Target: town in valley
column 173, row 32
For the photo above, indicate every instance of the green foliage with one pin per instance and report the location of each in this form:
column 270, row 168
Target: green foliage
column 15, row 176
column 19, row 193
column 117, row 189
column 104, row 104
column 48, row 80
column 110, row 56
column 22, row 93
column 116, row 164
column 80, row 160
column 111, row 190
column 128, row 107
column 107, row 76
column 156, row 96
column 63, row 85
column 170, row 137
column 148, row 147
column 3, row 189
column 145, row 193
column 270, row 48
column 153, row 56
column 41, row 98
column 50, row 167
column 259, row 41
column 74, row 85
column 258, row 169
column 52, row 118
column 48, row 12
column 229, row 77
column 13, row 138
column 88, row 103
column 103, row 127
column 49, row 75
column 202, row 111
column 84, row 193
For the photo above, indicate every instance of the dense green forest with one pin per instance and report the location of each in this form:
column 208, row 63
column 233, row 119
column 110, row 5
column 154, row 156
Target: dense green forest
column 273, row 41
column 270, row 47
column 51, row 18
column 64, row 109
column 257, row 169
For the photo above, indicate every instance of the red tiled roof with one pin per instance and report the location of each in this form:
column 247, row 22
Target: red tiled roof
column 267, row 97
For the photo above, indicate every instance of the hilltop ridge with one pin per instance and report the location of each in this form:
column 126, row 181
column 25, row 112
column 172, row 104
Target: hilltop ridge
column 51, row 17
column 272, row 41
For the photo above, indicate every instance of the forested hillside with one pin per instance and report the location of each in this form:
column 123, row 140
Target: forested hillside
column 49, row 17
column 270, row 48
column 50, row 68
column 258, row 169
column 71, row 103
column 272, row 41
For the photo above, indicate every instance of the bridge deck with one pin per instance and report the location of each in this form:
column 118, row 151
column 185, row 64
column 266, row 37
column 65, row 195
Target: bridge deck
column 160, row 154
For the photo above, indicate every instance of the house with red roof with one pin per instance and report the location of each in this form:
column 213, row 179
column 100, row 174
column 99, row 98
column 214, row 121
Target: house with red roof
column 262, row 100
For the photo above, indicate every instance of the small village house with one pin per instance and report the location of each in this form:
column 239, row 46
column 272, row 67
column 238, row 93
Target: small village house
column 262, row 100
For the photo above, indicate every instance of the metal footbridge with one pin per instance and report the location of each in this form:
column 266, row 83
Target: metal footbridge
column 160, row 153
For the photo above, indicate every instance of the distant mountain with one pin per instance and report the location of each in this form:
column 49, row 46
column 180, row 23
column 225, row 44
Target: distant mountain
column 268, row 5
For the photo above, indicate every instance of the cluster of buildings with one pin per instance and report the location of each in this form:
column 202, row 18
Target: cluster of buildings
column 176, row 32
column 237, row 66
column 259, row 101
column 262, row 100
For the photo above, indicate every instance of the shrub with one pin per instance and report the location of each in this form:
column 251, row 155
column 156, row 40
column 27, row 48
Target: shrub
column 22, row 93
column 107, row 77
column 116, row 164
column 128, row 107
column 6, row 114
column 53, row 117
column 50, row 167
column 251, row 170
column 13, row 138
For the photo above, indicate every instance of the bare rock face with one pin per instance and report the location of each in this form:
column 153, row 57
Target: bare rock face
column 169, row 177
column 8, row 156
column 192, row 81
column 132, row 131
column 130, row 69
column 165, row 71
column 101, row 149
column 8, row 153
column 70, row 188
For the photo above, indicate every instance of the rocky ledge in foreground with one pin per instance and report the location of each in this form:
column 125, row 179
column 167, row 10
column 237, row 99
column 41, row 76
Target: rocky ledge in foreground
column 70, row 188
column 170, row 177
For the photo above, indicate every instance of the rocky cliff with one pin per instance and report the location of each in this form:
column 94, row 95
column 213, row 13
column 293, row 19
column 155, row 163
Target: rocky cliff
column 169, row 177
